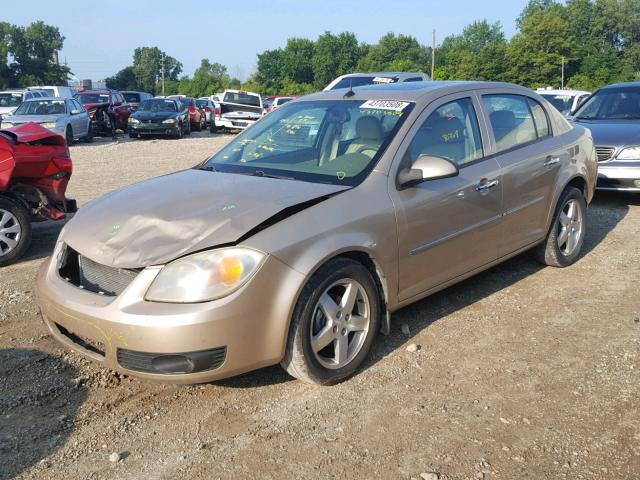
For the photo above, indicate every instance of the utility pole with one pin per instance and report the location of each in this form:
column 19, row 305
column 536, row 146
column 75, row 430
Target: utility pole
column 433, row 54
column 563, row 73
column 162, row 68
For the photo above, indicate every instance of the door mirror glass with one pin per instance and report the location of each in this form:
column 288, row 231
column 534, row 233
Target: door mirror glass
column 425, row 168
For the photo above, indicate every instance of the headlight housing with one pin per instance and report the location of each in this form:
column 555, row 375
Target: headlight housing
column 629, row 153
column 169, row 120
column 205, row 276
column 133, row 120
column 48, row 124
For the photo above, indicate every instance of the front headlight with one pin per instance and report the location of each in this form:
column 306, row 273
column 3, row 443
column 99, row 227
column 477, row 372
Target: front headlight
column 169, row 120
column 631, row 153
column 133, row 120
column 48, row 124
column 6, row 124
column 205, row 276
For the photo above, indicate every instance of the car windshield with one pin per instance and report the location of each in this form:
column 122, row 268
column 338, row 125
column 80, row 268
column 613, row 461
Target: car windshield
column 158, row 105
column 562, row 102
column 93, row 98
column 10, row 99
column 242, row 98
column 188, row 102
column 612, row 104
column 362, row 82
column 332, row 141
column 42, row 107
column 132, row 97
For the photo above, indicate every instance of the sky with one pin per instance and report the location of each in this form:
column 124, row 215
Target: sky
column 101, row 36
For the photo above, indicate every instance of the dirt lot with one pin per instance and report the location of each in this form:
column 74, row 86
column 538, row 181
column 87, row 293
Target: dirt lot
column 522, row 372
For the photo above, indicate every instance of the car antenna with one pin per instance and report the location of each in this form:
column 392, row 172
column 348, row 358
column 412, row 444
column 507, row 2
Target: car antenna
column 350, row 93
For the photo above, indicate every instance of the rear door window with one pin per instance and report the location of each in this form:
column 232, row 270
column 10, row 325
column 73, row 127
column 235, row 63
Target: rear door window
column 511, row 120
column 540, row 118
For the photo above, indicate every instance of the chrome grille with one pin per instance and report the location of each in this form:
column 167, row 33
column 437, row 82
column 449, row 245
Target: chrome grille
column 604, row 153
column 95, row 277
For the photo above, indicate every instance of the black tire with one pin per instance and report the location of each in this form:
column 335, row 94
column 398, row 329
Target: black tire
column 188, row 132
column 178, row 135
column 89, row 137
column 549, row 252
column 198, row 126
column 300, row 361
column 68, row 135
column 212, row 125
column 23, row 220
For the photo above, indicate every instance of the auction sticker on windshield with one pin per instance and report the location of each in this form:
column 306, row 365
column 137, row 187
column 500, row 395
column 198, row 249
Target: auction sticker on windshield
column 391, row 105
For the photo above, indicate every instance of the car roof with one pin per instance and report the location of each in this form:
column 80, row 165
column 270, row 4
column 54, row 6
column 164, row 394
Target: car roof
column 64, row 99
column 413, row 91
column 382, row 74
column 95, row 91
column 621, row 85
column 14, row 90
column 552, row 91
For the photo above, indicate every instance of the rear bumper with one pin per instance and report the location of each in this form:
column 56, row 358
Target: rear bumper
column 239, row 124
column 619, row 176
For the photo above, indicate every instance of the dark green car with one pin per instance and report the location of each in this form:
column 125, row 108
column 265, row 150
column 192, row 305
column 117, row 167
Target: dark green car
column 160, row 116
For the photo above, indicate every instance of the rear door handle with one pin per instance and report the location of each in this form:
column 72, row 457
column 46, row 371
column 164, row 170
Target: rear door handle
column 485, row 185
column 551, row 161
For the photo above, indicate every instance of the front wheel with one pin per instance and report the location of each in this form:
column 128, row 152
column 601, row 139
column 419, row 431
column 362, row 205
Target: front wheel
column 564, row 241
column 334, row 323
column 68, row 135
column 15, row 230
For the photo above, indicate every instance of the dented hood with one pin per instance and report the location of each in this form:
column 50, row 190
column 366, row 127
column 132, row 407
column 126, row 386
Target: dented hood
column 158, row 220
column 31, row 132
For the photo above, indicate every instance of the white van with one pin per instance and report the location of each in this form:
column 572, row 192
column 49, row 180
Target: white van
column 57, row 92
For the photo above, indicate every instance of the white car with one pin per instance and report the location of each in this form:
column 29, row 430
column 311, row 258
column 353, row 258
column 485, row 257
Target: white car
column 239, row 109
column 375, row 78
column 565, row 101
column 57, row 91
column 11, row 99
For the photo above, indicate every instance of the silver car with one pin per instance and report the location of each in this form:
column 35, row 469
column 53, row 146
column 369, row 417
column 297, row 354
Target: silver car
column 64, row 116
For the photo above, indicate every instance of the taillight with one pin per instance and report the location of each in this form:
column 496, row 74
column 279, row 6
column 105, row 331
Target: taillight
column 64, row 164
column 217, row 111
column 207, row 109
column 192, row 110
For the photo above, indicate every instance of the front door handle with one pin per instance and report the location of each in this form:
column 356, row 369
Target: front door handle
column 551, row 161
column 485, row 185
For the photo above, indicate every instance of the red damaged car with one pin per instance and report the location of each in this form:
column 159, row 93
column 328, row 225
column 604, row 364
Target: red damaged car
column 197, row 115
column 108, row 110
column 35, row 168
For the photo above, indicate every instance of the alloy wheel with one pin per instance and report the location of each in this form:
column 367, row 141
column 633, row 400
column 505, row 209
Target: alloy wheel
column 10, row 232
column 570, row 225
column 340, row 323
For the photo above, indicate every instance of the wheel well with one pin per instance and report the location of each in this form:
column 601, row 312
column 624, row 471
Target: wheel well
column 370, row 264
column 580, row 184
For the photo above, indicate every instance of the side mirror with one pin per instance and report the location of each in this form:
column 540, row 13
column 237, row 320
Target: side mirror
column 426, row 168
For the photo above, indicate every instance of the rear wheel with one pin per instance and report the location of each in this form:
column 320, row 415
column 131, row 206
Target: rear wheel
column 334, row 324
column 15, row 230
column 68, row 135
column 564, row 241
column 89, row 137
column 198, row 126
column 212, row 125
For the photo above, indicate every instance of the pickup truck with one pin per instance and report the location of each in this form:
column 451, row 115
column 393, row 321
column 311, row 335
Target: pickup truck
column 239, row 109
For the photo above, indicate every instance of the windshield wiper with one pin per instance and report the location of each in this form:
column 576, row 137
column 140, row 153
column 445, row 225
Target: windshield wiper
column 260, row 173
column 207, row 168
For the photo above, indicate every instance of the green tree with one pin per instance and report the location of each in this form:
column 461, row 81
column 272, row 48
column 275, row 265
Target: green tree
column 208, row 79
column 270, row 73
column 125, row 79
column 34, row 50
column 147, row 67
column 535, row 54
column 6, row 77
column 479, row 53
column 396, row 50
column 297, row 60
column 335, row 55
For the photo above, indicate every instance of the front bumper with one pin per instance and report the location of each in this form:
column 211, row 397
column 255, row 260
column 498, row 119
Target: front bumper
column 154, row 128
column 619, row 176
column 246, row 330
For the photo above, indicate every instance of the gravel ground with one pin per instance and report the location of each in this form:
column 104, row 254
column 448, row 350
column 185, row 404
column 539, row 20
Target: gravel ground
column 519, row 372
